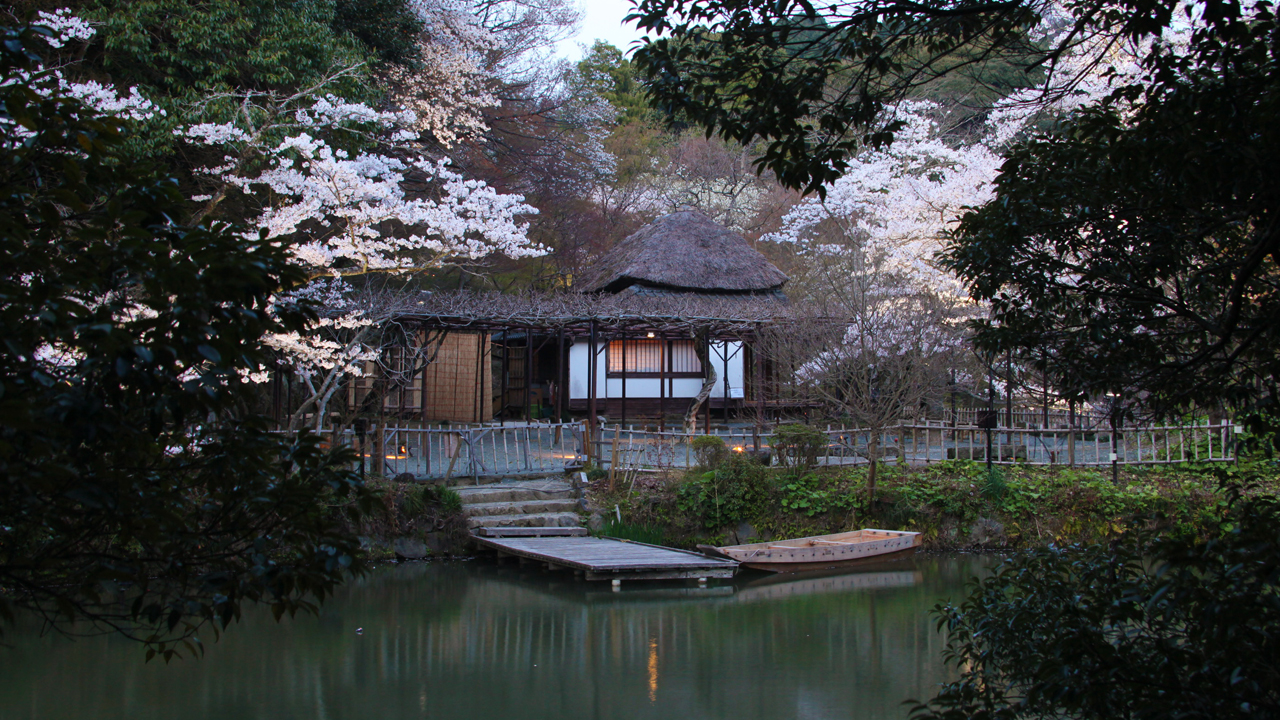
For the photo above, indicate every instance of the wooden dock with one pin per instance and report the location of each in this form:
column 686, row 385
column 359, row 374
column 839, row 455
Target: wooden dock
column 611, row 559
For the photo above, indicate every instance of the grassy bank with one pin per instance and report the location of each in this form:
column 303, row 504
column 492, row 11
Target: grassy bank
column 955, row 504
column 413, row 520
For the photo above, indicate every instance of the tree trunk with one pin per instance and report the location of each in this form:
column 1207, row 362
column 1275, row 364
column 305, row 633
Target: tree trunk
column 873, row 456
column 703, row 351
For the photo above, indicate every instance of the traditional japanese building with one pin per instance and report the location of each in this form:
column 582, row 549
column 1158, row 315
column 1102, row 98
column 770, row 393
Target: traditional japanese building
column 678, row 301
column 643, row 369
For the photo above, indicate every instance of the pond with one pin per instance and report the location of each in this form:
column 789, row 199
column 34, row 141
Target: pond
column 477, row 640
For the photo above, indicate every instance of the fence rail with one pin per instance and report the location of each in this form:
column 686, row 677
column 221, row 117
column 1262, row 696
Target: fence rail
column 918, row 444
column 489, row 450
column 473, row 451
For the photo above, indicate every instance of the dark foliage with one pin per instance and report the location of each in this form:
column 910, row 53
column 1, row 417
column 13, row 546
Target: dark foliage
column 134, row 493
column 386, row 27
column 1130, row 252
column 1174, row 628
column 811, row 80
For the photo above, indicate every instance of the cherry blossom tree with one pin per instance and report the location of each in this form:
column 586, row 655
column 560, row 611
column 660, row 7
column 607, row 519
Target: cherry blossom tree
column 350, row 188
column 871, row 242
column 888, row 322
column 353, row 191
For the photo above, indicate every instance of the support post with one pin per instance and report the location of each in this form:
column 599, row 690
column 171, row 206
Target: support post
column 562, row 383
column 613, row 458
column 624, row 376
column 528, row 376
column 422, row 396
column 591, row 381
column 664, row 358
column 725, row 379
column 706, row 410
column 479, row 374
column 1071, row 433
column 503, row 382
column 1115, row 452
column 757, row 358
column 991, row 409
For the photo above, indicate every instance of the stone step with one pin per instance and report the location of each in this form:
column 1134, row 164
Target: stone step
column 516, row 491
column 514, row 532
column 458, row 482
column 520, row 507
column 548, row 519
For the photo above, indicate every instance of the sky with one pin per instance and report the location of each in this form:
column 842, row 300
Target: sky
column 602, row 20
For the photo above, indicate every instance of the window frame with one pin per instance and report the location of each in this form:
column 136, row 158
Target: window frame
column 667, row 345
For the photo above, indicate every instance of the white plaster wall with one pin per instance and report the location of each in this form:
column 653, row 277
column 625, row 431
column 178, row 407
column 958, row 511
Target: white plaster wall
column 579, row 369
column 580, row 355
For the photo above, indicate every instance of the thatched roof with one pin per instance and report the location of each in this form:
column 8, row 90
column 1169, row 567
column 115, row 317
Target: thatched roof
column 674, row 312
column 685, row 250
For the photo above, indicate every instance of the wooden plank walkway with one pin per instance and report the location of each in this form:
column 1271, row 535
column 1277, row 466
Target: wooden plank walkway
column 611, row 559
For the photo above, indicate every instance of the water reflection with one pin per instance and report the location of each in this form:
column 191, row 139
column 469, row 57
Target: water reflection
column 482, row 641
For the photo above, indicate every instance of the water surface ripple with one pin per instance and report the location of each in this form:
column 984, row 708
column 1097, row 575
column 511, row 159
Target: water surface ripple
column 480, row 641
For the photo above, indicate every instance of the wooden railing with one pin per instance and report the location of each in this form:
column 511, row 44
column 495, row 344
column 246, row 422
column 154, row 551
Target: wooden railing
column 473, row 451
column 919, row 443
column 490, row 450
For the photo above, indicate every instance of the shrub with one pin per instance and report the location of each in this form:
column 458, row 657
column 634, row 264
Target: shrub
column 726, row 495
column 797, row 446
column 709, row 450
column 1135, row 629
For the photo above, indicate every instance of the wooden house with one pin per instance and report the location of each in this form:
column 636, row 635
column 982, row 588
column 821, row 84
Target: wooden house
column 651, row 370
column 637, row 338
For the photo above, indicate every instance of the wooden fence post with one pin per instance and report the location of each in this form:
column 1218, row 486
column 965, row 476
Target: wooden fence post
column 613, row 459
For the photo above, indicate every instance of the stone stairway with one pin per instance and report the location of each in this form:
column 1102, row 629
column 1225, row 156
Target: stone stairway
column 538, row 502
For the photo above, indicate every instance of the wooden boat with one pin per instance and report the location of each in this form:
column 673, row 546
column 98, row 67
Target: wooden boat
column 822, row 551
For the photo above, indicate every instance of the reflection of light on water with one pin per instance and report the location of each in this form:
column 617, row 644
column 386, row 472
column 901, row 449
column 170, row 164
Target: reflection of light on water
column 653, row 669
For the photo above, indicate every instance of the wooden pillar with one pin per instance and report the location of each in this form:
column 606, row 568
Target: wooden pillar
column 1115, row 447
column 725, row 379
column 706, row 411
column 503, row 388
column 479, row 375
column 528, row 375
column 562, row 383
column 1071, row 434
column 991, row 411
column 275, row 396
column 1008, row 392
column 664, row 358
column 591, row 382
column 624, row 377
column 757, row 360
column 422, row 396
